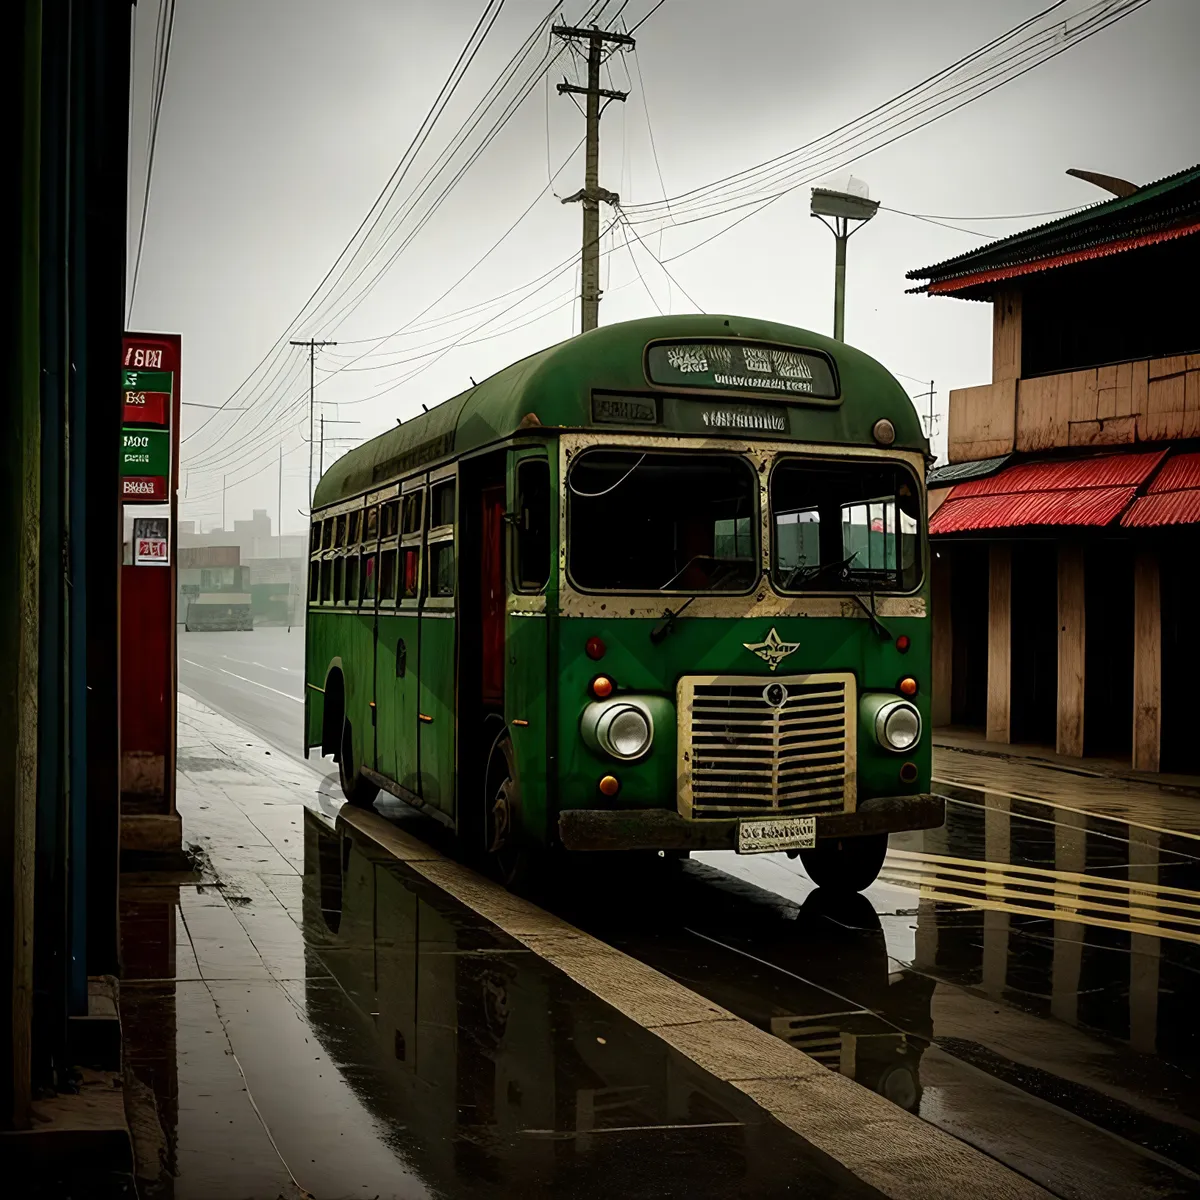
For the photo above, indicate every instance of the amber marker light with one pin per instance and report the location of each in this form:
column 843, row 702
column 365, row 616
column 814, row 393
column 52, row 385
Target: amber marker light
column 907, row 686
column 610, row 785
column 602, row 687
column 903, row 643
column 908, row 773
column 595, row 648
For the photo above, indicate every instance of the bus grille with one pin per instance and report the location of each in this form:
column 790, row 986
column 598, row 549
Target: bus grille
column 745, row 750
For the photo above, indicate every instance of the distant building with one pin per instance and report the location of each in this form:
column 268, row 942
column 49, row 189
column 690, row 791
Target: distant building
column 1065, row 526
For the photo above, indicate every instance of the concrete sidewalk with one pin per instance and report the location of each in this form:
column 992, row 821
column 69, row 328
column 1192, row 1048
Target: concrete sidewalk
column 1166, row 803
column 335, row 1009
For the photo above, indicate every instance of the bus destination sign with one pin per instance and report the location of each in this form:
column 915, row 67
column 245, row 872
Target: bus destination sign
column 736, row 366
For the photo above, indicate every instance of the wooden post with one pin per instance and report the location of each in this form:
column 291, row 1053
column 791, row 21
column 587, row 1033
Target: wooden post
column 1147, row 663
column 1006, row 334
column 942, row 633
column 999, row 678
column 1072, row 628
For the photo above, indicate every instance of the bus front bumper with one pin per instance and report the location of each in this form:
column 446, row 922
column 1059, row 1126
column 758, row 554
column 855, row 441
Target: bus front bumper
column 661, row 829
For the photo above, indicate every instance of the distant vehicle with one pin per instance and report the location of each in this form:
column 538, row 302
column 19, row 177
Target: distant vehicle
column 211, row 611
column 661, row 587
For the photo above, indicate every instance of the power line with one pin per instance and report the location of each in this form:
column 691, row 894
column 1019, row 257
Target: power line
column 435, row 110
column 164, row 28
column 648, row 16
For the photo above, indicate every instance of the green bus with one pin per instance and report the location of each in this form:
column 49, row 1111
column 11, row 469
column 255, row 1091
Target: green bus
column 662, row 587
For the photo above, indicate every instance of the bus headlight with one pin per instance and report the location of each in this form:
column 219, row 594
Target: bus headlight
column 621, row 728
column 898, row 726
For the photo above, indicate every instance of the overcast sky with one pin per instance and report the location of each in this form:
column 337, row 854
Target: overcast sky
column 281, row 121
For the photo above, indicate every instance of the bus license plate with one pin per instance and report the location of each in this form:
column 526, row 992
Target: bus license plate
column 790, row 833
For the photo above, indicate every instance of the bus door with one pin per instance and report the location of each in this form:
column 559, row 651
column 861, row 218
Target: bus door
column 530, row 522
column 492, row 597
column 437, row 646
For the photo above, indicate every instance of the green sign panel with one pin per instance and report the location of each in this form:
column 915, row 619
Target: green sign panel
column 146, row 381
column 737, row 366
column 145, row 451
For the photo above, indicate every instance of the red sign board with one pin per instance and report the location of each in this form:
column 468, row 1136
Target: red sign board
column 147, row 408
column 150, row 488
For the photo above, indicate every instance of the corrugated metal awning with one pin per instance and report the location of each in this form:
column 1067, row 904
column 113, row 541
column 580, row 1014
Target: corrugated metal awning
column 1088, row 491
column 1173, row 498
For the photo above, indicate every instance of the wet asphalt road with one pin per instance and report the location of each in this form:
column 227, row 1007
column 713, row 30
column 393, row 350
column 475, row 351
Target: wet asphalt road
column 1025, row 978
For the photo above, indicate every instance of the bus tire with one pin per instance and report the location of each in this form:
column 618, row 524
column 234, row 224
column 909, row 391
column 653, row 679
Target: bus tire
column 355, row 788
column 504, row 842
column 846, row 864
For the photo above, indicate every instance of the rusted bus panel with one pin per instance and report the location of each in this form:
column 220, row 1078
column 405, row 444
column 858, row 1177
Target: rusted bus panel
column 982, row 421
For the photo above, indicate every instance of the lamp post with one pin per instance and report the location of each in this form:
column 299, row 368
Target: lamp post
column 837, row 211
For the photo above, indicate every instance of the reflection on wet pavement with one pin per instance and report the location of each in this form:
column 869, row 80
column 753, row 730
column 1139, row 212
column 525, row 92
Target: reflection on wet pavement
column 313, row 1019
column 1023, row 978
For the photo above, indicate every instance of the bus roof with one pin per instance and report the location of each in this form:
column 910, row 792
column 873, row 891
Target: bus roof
column 555, row 385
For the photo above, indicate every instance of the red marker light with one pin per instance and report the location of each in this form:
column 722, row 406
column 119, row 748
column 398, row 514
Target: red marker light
column 907, row 686
column 602, row 687
column 595, row 649
column 903, row 643
column 908, row 773
column 610, row 785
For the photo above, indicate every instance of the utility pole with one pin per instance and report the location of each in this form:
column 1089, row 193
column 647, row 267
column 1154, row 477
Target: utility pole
column 313, row 347
column 321, row 460
column 591, row 194
column 931, row 417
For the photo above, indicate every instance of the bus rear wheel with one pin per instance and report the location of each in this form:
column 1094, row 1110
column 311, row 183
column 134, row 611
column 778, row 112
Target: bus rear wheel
column 846, row 864
column 355, row 788
column 504, row 841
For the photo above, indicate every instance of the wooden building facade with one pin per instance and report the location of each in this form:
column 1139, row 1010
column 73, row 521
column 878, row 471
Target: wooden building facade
column 1066, row 522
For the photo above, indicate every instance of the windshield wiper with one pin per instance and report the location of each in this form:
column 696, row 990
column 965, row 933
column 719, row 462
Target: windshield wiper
column 707, row 558
column 885, row 634
column 667, row 625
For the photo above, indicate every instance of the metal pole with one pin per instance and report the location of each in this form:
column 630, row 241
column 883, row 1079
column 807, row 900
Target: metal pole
column 322, row 445
column 841, row 237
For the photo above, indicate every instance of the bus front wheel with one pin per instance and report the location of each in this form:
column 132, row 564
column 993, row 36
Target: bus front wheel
column 846, row 864
column 504, row 840
column 354, row 787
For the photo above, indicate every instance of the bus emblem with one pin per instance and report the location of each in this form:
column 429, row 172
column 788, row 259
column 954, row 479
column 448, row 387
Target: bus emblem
column 772, row 651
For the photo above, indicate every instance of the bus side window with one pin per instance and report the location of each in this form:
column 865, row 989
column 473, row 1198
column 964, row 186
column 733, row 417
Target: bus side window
column 327, row 535
column 339, row 569
column 314, row 537
column 372, row 524
column 390, row 519
column 352, row 570
column 411, row 514
column 326, row 581
column 368, row 577
column 354, row 531
column 441, row 568
column 339, row 532
column 441, row 504
column 314, row 580
column 533, row 525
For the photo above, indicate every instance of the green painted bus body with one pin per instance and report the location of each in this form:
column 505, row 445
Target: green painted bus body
column 404, row 715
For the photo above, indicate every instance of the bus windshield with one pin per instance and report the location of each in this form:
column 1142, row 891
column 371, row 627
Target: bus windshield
column 644, row 522
column 845, row 527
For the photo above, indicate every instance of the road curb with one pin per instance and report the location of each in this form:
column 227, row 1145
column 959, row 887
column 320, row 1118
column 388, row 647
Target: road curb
column 898, row 1154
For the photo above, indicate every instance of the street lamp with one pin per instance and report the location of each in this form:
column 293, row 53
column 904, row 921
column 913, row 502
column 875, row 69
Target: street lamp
column 843, row 208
